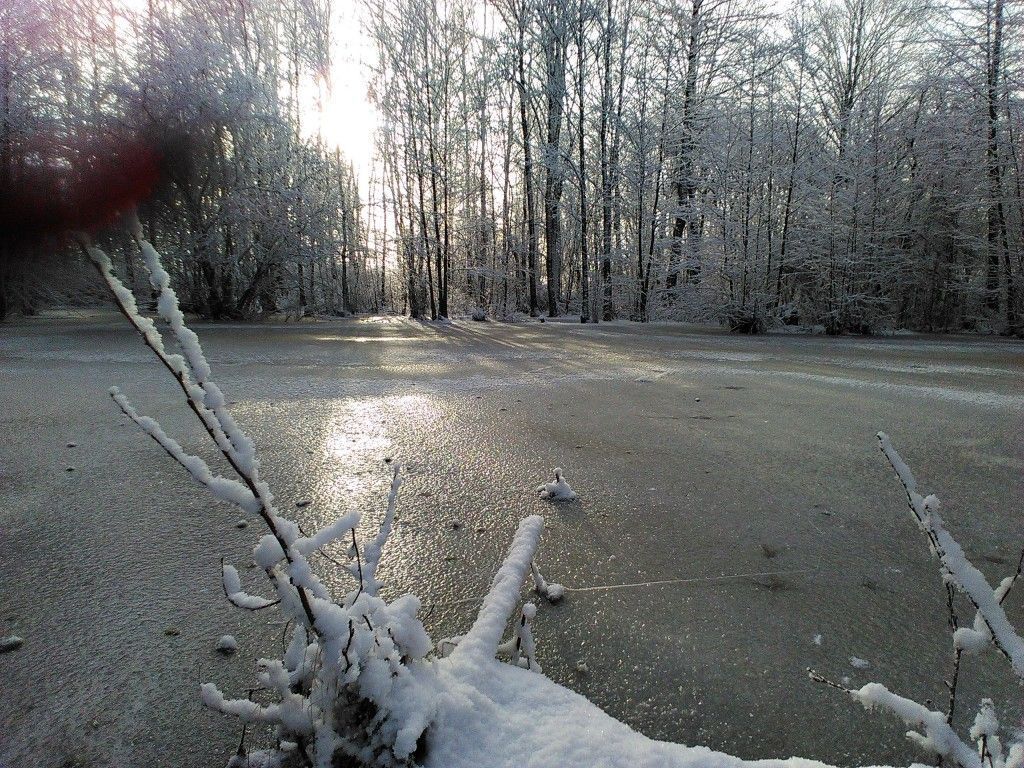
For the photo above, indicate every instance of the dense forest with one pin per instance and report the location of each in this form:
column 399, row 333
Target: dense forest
column 193, row 112
column 850, row 164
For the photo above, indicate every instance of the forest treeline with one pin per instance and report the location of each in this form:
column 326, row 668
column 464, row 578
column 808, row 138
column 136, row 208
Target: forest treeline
column 192, row 111
column 851, row 164
column 854, row 164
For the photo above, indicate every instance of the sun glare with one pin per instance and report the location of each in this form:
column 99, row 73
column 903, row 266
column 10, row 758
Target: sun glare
column 339, row 109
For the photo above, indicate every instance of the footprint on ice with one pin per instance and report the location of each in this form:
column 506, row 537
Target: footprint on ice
column 558, row 490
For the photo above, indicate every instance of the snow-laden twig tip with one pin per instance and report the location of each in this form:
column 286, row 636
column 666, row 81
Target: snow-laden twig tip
column 233, row 591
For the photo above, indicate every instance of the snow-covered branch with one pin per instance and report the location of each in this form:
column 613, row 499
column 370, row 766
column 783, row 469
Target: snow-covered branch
column 931, row 730
column 484, row 636
column 222, row 487
column 992, row 623
column 354, row 681
column 374, row 548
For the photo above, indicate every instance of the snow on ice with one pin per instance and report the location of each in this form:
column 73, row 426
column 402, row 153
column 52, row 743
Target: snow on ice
column 559, row 490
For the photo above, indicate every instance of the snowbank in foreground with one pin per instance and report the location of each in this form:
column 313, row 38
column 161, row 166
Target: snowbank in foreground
column 501, row 716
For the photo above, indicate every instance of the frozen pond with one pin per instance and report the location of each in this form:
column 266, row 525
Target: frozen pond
column 732, row 506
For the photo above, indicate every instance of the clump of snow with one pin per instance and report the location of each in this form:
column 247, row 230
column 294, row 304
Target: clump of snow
column 233, row 591
column 559, row 490
column 447, row 645
column 227, row 645
column 818, row 639
column 986, row 724
column 553, row 593
column 859, row 663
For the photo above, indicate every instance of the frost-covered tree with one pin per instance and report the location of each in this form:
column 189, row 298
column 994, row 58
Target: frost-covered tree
column 255, row 215
column 716, row 161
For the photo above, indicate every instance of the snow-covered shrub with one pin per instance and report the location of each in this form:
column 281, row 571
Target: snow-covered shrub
column 990, row 629
column 360, row 682
column 751, row 319
column 355, row 685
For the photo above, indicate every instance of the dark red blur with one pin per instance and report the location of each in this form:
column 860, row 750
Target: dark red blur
column 54, row 189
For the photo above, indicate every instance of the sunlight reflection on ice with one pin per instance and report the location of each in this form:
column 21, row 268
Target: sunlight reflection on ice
column 357, row 436
column 361, row 427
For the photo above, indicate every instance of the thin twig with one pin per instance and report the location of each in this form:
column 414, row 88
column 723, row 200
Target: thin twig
column 204, row 415
column 820, row 678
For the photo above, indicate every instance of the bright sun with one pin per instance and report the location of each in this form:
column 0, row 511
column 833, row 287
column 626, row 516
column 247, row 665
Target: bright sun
column 340, row 111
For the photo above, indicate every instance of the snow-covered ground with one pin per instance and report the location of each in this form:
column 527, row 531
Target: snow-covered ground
column 735, row 522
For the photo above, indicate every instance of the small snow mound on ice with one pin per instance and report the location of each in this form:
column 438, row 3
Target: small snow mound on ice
column 555, row 592
column 550, row 592
column 11, row 643
column 818, row 639
column 227, row 645
column 858, row 663
column 558, row 490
